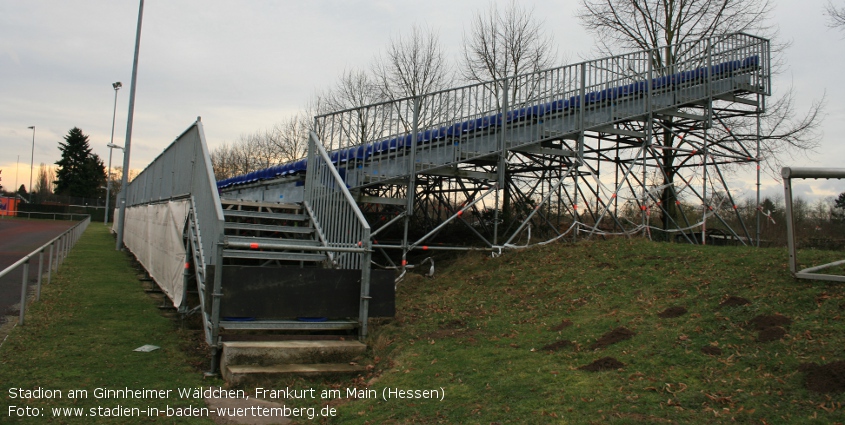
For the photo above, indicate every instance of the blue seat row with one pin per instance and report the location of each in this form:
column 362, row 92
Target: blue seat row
column 364, row 152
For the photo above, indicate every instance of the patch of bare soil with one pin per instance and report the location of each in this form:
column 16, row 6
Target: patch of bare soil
column 772, row 333
column 454, row 324
column 454, row 329
column 563, row 325
column 828, row 378
column 604, row 363
column 711, row 350
column 762, row 322
column 671, row 312
column 612, row 337
column 557, row 346
column 733, row 301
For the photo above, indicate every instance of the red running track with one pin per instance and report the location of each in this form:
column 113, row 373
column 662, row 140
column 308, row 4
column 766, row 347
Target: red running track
column 19, row 237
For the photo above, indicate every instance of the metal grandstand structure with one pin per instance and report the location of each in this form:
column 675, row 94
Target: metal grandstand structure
column 573, row 150
column 621, row 145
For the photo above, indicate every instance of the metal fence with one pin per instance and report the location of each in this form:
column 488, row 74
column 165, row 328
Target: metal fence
column 182, row 171
column 58, row 250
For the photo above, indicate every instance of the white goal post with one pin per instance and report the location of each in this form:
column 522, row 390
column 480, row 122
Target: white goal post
column 789, row 173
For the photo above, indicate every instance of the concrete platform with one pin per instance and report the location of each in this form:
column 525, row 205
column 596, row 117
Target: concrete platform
column 240, row 359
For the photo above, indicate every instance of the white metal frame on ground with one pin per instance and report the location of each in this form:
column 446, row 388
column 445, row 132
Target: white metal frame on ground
column 789, row 173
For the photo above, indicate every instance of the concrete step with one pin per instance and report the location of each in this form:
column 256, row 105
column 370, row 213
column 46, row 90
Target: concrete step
column 289, row 325
column 268, row 353
column 236, row 375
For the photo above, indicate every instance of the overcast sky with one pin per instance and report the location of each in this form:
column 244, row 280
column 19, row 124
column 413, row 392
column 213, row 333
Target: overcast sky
column 246, row 65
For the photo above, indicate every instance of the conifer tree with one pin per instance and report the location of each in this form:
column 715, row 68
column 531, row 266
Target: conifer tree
column 80, row 173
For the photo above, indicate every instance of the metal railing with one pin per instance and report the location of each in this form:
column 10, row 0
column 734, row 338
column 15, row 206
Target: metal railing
column 340, row 224
column 63, row 244
column 183, row 170
column 621, row 87
column 49, row 215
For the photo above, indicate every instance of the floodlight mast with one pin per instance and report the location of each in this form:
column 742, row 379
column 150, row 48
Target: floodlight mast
column 121, row 218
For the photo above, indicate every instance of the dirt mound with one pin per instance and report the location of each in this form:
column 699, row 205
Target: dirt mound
column 612, row 337
column 671, row 312
column 772, row 333
column 604, row 363
column 762, row 322
column 557, row 346
column 563, row 325
column 829, row 378
column 733, row 301
column 711, row 350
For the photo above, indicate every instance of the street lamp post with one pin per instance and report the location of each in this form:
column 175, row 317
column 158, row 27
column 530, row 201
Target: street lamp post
column 17, row 169
column 111, row 146
column 31, row 161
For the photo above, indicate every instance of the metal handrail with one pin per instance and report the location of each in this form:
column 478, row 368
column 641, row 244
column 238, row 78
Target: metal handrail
column 333, row 209
column 66, row 240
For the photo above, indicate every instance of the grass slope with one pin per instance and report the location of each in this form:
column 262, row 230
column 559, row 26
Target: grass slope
column 82, row 334
column 478, row 330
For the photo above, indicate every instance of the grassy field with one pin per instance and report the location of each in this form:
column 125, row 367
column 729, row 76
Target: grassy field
column 81, row 336
column 506, row 339
column 503, row 340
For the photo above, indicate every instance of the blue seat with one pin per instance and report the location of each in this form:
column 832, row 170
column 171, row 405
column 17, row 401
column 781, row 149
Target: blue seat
column 361, row 153
column 751, row 62
column 300, row 166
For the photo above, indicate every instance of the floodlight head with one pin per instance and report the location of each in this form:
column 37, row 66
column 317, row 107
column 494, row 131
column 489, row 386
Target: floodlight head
column 32, row 127
column 117, row 85
column 113, row 146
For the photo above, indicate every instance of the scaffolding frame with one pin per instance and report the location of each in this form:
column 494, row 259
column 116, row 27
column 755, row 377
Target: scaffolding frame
column 613, row 146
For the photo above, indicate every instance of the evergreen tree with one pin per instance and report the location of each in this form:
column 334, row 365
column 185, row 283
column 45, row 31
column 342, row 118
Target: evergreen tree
column 80, row 173
column 838, row 211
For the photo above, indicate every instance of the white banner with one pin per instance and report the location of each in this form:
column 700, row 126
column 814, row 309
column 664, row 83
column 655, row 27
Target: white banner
column 154, row 234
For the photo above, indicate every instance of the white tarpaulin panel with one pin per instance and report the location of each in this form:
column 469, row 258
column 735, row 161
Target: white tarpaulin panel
column 154, row 234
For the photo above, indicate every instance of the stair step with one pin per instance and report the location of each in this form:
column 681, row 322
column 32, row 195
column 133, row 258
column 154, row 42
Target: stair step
column 236, row 375
column 273, row 243
column 273, row 255
column 270, row 353
column 256, row 204
column 262, row 214
column 267, row 228
column 289, row 325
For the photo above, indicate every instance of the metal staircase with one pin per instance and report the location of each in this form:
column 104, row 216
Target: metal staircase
column 282, row 230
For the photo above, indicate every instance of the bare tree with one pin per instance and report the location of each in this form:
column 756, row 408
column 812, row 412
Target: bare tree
column 411, row 66
column 117, row 179
column 670, row 28
column 220, row 162
column 504, row 43
column 44, row 181
column 835, row 14
column 355, row 90
column 290, row 137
